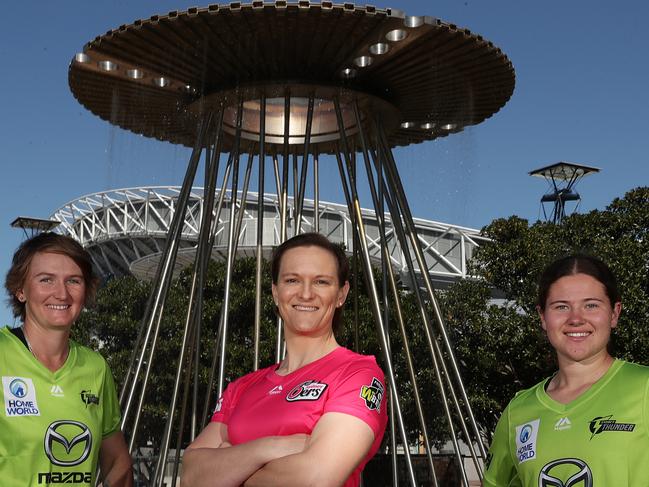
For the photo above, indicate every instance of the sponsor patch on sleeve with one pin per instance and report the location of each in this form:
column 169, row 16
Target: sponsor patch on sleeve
column 373, row 394
column 20, row 396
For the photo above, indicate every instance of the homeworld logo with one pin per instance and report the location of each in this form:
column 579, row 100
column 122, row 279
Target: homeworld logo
column 18, row 388
column 19, row 396
column 526, row 440
column 566, row 472
column 601, row 424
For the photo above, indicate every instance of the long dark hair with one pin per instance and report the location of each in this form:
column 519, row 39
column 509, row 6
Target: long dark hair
column 578, row 264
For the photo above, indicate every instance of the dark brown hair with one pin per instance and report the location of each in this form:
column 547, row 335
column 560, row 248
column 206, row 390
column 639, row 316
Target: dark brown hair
column 47, row 242
column 315, row 240
column 577, row 264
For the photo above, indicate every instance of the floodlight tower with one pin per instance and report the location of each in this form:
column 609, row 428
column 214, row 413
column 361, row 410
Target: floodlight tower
column 562, row 178
column 295, row 86
column 34, row 226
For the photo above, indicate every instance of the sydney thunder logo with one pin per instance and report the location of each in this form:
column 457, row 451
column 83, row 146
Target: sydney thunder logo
column 601, row 424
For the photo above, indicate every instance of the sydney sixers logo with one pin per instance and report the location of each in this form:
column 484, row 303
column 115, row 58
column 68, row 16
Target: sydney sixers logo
column 310, row 390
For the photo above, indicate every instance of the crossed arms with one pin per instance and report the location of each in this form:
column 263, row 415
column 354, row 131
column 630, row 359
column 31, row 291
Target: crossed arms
column 337, row 445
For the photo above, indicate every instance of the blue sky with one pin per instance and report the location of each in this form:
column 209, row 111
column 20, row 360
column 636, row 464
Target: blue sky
column 581, row 95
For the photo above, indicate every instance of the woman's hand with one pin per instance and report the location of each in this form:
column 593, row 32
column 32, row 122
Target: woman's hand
column 115, row 461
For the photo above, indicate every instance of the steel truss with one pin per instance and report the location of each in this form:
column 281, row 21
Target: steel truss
column 125, row 230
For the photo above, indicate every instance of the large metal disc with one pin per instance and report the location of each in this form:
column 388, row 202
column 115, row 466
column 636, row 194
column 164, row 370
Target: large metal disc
column 437, row 77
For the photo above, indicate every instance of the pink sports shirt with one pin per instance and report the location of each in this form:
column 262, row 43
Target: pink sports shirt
column 264, row 403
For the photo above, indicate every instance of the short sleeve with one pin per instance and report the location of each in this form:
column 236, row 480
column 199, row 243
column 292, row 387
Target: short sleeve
column 360, row 392
column 226, row 403
column 111, row 413
column 500, row 469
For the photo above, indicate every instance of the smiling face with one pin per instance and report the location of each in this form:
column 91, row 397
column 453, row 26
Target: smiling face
column 578, row 318
column 54, row 291
column 307, row 291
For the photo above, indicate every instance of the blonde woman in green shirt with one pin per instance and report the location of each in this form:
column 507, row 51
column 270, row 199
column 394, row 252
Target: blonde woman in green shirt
column 61, row 415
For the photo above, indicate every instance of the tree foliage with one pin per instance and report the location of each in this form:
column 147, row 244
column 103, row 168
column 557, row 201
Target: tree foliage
column 501, row 345
column 498, row 343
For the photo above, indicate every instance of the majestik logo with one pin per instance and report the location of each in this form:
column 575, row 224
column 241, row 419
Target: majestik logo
column 600, row 424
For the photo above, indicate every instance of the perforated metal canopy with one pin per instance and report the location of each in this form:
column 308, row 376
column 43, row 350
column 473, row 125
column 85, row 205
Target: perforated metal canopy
column 435, row 77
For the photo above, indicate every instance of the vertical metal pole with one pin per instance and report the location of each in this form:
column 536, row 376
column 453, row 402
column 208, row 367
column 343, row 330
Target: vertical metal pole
column 287, row 128
column 399, row 194
column 193, row 307
column 296, row 190
column 284, row 206
column 305, row 165
column 354, row 206
column 278, row 184
column 231, row 238
column 388, row 272
column 435, row 351
column 217, row 342
column 244, row 195
column 164, row 275
column 260, row 228
column 316, row 194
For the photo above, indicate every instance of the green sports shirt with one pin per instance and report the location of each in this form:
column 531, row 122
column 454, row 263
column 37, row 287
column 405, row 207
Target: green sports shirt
column 53, row 423
column 601, row 439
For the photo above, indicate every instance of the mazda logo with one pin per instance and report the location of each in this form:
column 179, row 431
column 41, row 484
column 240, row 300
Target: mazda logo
column 67, row 434
column 583, row 474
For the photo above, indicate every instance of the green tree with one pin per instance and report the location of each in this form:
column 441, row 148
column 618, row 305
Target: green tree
column 501, row 345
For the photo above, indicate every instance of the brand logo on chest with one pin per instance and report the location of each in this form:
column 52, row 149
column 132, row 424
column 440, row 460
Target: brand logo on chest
column 526, row 440
column 20, row 396
column 309, row 390
column 602, row 424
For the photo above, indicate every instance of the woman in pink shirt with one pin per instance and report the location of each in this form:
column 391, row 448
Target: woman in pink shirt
column 316, row 417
